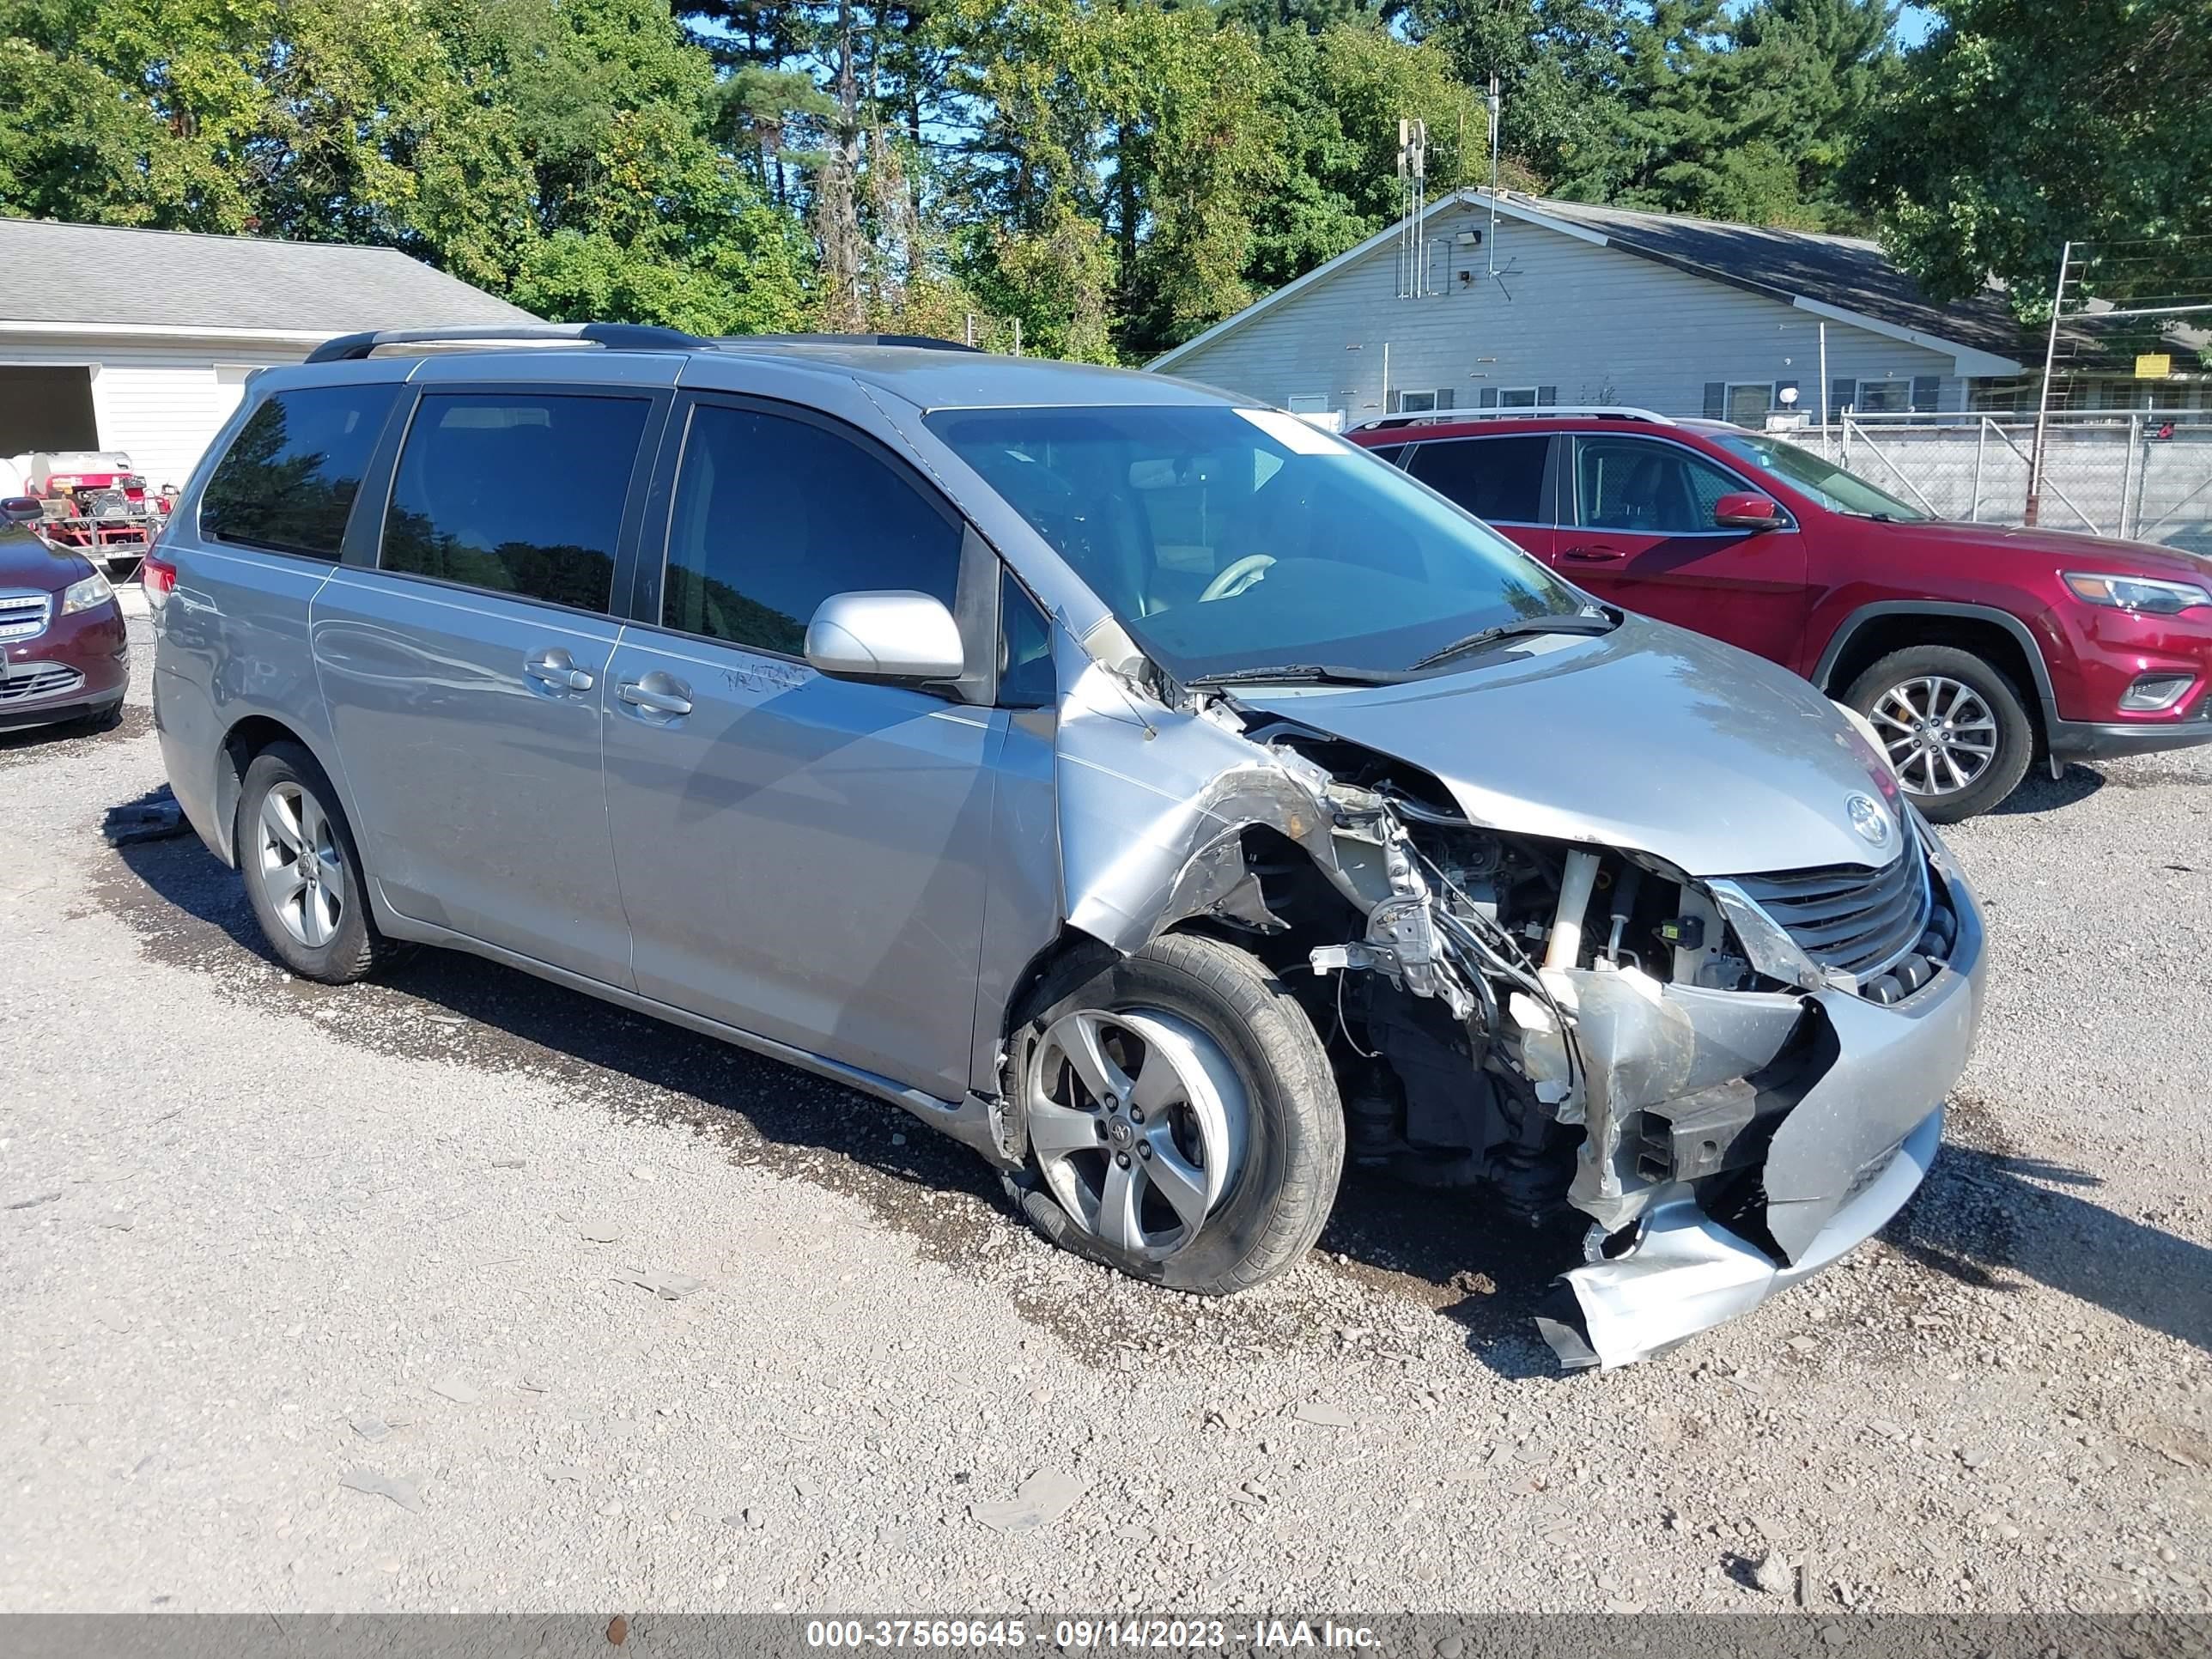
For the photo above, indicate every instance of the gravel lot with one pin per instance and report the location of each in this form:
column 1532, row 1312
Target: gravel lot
column 264, row 1244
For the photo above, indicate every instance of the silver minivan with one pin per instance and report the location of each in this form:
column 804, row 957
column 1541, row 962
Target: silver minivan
column 1149, row 789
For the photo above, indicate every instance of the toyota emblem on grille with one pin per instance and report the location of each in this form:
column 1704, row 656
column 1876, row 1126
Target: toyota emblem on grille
column 1869, row 819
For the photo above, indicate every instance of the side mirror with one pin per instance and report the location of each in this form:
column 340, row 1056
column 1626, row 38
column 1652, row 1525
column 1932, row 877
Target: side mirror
column 1745, row 509
column 22, row 509
column 896, row 636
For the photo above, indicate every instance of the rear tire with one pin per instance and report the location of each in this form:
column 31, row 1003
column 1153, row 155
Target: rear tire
column 1244, row 1135
column 303, row 874
column 1957, row 728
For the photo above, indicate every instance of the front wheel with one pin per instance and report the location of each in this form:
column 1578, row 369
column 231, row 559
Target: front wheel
column 1956, row 729
column 1183, row 1121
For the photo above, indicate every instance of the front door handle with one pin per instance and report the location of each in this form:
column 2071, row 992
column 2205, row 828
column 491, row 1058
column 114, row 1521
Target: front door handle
column 557, row 670
column 1593, row 553
column 657, row 693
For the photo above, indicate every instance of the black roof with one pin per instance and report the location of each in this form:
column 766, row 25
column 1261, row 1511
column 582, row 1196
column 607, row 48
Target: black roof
column 1848, row 273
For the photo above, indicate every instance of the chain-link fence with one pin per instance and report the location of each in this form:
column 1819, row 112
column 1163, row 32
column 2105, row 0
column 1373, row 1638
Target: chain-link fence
column 2144, row 474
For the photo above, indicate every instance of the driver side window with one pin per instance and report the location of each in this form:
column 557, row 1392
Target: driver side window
column 1644, row 487
column 773, row 516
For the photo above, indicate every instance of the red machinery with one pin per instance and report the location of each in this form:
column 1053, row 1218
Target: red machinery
column 93, row 503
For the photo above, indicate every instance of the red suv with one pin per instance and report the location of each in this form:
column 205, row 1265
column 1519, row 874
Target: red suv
column 1974, row 649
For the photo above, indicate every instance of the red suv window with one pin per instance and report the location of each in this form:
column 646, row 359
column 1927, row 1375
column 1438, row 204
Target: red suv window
column 1499, row 480
column 1634, row 484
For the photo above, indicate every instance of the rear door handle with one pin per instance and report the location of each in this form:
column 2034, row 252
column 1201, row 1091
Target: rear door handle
column 657, row 693
column 1593, row 553
column 557, row 670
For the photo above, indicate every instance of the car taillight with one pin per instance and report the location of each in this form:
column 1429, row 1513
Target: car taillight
column 159, row 577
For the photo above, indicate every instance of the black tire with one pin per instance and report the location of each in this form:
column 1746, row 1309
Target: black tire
column 105, row 719
column 2015, row 729
column 354, row 949
column 1280, row 1196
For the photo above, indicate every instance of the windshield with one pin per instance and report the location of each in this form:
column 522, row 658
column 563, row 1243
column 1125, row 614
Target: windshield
column 1225, row 538
column 1823, row 481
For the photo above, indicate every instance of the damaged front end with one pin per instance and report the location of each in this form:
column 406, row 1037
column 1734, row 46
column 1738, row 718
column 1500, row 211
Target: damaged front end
column 1737, row 1079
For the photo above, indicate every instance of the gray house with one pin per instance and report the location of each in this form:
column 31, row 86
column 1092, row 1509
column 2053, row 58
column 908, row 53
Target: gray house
column 1518, row 301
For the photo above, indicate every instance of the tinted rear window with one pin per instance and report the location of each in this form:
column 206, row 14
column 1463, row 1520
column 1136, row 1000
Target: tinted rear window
column 1498, row 479
column 290, row 478
column 518, row 493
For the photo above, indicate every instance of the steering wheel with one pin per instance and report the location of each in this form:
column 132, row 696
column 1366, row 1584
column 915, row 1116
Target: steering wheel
column 1240, row 574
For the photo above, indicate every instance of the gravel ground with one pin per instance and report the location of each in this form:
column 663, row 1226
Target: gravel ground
column 344, row 1300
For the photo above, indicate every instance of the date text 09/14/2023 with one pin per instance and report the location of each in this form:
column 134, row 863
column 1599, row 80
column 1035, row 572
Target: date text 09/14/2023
column 1079, row 1635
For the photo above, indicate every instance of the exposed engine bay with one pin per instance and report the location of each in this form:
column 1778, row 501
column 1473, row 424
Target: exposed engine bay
column 1552, row 1022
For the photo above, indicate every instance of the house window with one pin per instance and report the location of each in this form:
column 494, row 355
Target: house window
column 1881, row 397
column 1423, row 402
column 1748, row 402
column 1519, row 396
column 1307, row 403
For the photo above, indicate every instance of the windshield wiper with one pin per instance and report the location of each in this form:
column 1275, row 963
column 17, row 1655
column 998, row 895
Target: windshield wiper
column 1300, row 673
column 1572, row 622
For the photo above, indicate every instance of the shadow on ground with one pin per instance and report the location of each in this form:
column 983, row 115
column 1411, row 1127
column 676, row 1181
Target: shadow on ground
column 1433, row 1248
column 1991, row 1219
column 2040, row 792
column 31, row 744
column 1987, row 1219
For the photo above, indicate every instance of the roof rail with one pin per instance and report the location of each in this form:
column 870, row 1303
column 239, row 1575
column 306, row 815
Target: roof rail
column 1524, row 412
column 923, row 342
column 615, row 337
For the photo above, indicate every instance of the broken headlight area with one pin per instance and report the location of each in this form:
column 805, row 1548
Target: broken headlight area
column 1699, row 1066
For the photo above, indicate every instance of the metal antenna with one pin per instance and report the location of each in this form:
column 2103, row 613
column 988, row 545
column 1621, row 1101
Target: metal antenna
column 1412, row 201
column 1491, row 240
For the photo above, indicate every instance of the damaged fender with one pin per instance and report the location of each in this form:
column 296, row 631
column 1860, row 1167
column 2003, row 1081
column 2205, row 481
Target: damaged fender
column 1154, row 799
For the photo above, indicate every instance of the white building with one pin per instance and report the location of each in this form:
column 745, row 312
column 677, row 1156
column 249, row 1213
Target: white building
column 140, row 340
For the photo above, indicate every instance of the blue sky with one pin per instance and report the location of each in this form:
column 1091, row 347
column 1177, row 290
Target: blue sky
column 1912, row 26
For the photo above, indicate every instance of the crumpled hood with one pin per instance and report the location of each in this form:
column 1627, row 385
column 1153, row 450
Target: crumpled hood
column 1649, row 738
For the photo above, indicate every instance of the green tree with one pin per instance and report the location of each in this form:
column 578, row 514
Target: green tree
column 1803, row 76
column 1107, row 167
column 1558, row 64
column 2021, row 125
column 1337, row 97
column 563, row 155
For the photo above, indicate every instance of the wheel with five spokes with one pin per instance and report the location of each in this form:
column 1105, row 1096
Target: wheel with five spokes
column 1956, row 728
column 302, row 871
column 1181, row 1118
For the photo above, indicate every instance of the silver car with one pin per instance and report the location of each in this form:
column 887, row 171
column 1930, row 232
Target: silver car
column 1149, row 789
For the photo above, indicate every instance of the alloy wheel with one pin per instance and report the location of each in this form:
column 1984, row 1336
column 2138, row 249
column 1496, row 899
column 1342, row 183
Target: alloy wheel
column 1140, row 1124
column 301, row 870
column 1940, row 733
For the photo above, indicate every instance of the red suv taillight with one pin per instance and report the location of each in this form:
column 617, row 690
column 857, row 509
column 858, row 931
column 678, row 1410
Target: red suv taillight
column 159, row 578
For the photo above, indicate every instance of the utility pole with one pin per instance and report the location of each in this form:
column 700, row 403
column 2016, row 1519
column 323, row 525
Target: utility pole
column 2035, row 459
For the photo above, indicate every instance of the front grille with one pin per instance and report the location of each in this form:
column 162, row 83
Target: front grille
column 27, row 680
column 22, row 615
column 1848, row 918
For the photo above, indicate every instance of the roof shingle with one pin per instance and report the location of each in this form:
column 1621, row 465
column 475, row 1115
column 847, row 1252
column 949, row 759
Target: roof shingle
column 52, row 272
column 1844, row 271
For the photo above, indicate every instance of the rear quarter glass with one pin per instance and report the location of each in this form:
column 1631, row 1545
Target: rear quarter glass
column 289, row 479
